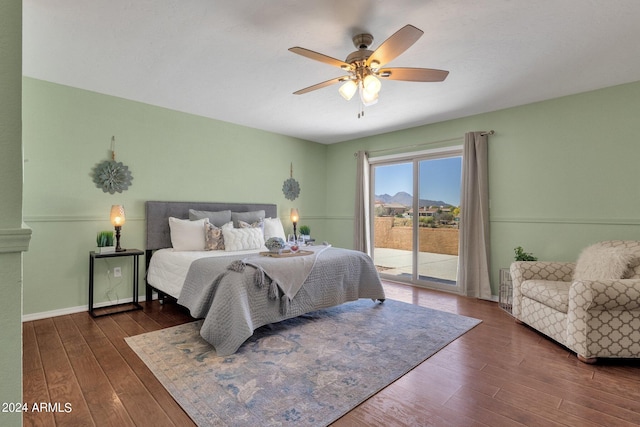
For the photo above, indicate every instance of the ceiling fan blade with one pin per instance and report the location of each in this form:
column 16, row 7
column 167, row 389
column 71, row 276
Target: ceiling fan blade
column 320, row 57
column 321, row 85
column 413, row 74
column 392, row 47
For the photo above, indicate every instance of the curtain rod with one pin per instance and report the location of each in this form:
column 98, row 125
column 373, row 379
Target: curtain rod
column 484, row 133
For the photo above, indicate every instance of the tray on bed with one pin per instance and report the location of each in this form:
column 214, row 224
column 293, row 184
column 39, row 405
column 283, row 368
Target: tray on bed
column 286, row 254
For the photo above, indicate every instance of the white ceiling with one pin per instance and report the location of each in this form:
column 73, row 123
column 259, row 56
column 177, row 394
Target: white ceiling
column 228, row 59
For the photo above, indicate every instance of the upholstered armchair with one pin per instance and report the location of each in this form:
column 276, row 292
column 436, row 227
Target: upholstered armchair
column 591, row 306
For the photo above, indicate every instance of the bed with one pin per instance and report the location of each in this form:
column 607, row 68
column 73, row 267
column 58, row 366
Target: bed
column 237, row 291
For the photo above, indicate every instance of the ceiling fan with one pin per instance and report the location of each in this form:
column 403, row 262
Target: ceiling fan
column 365, row 68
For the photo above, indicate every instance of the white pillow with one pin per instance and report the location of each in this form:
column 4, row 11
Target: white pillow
column 273, row 228
column 187, row 235
column 597, row 262
column 241, row 239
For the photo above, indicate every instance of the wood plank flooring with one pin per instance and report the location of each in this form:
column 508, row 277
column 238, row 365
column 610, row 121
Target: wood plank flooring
column 498, row 374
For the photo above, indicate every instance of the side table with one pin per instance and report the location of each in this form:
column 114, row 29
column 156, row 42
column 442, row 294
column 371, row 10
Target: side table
column 505, row 298
column 115, row 308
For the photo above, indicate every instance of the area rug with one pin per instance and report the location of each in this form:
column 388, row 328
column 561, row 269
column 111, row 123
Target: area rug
column 306, row 371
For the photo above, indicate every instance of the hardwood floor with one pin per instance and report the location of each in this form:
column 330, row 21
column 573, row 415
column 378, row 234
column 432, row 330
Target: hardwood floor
column 498, row 374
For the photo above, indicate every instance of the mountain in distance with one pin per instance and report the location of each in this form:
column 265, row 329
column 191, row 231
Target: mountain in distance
column 406, row 199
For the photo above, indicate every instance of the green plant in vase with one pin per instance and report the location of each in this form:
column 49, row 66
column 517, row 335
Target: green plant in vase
column 521, row 255
column 104, row 241
column 305, row 231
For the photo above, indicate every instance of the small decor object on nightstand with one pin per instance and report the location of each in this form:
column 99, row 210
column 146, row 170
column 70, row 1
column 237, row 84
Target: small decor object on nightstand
column 112, row 176
column 117, row 219
column 305, row 232
column 104, row 241
column 290, row 187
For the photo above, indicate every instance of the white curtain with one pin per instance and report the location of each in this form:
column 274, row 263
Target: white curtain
column 473, row 274
column 362, row 224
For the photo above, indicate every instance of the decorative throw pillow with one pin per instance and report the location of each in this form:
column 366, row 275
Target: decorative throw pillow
column 250, row 217
column 601, row 263
column 187, row 235
column 213, row 237
column 273, row 228
column 241, row 239
column 633, row 246
column 257, row 224
column 218, row 218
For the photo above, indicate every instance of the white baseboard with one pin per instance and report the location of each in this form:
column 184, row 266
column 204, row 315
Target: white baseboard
column 77, row 309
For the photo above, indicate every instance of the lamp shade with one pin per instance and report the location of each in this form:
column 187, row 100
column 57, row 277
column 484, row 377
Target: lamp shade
column 348, row 89
column 294, row 215
column 368, row 98
column 117, row 215
column 371, row 84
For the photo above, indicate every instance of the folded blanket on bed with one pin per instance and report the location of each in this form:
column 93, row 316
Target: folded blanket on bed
column 288, row 274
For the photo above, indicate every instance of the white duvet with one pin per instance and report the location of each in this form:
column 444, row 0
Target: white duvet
column 168, row 268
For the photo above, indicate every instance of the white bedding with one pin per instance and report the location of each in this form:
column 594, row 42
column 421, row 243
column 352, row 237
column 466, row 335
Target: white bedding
column 168, row 268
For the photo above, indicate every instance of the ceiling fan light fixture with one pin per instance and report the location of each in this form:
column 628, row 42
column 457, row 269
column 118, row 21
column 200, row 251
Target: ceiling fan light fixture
column 368, row 98
column 348, row 89
column 372, row 84
column 364, row 67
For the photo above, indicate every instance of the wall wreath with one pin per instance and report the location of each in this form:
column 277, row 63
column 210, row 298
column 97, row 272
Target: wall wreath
column 290, row 187
column 112, row 176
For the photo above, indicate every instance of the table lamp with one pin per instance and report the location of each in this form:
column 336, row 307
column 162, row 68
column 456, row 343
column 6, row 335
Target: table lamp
column 117, row 219
column 294, row 219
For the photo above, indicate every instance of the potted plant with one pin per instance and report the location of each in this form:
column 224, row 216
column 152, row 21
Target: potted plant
column 521, row 255
column 305, row 232
column 104, row 241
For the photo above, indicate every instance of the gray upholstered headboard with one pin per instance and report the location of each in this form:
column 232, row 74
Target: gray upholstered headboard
column 158, row 213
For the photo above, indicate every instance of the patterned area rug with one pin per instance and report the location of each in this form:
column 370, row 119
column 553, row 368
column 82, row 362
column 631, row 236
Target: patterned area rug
column 310, row 370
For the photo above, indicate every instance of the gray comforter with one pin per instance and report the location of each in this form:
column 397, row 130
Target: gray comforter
column 229, row 293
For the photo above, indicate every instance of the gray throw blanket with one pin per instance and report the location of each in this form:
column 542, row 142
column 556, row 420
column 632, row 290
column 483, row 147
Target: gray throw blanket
column 286, row 273
column 233, row 305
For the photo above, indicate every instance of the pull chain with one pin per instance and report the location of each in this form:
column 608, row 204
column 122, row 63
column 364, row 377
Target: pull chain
column 361, row 108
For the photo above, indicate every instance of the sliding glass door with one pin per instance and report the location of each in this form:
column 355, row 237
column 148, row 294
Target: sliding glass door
column 416, row 217
column 393, row 236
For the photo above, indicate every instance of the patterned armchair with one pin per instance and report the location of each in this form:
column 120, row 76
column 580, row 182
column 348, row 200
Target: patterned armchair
column 591, row 306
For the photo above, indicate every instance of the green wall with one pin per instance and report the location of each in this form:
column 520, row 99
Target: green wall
column 562, row 176
column 563, row 173
column 14, row 238
column 172, row 156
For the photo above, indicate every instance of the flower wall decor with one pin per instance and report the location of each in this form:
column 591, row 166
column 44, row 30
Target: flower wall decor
column 112, row 176
column 290, row 187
